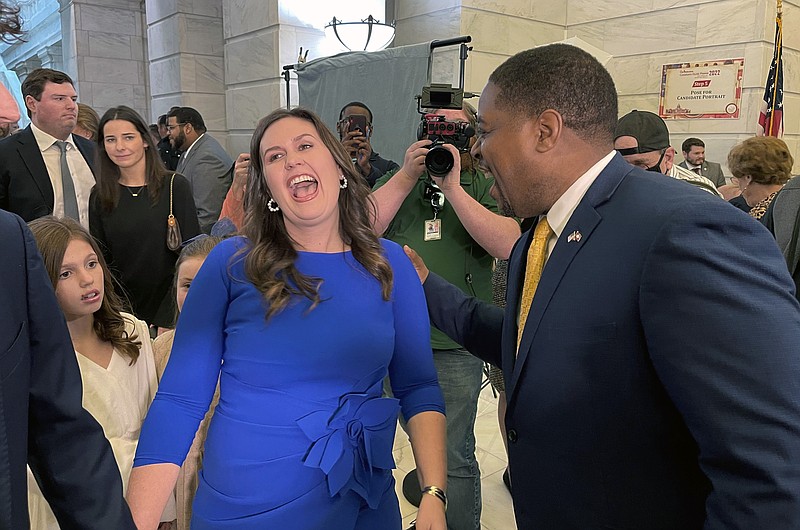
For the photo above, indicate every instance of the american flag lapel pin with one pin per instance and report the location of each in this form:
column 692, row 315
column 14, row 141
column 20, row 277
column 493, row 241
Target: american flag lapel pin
column 574, row 236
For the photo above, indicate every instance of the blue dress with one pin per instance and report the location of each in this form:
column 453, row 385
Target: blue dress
column 301, row 437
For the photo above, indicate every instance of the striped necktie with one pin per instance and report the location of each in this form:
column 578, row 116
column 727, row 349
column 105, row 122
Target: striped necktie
column 537, row 254
column 67, row 185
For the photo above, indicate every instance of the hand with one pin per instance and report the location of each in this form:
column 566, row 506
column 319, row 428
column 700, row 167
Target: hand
column 431, row 514
column 452, row 180
column 419, row 266
column 414, row 159
column 359, row 148
column 240, row 169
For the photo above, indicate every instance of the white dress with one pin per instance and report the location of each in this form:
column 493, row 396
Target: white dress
column 118, row 398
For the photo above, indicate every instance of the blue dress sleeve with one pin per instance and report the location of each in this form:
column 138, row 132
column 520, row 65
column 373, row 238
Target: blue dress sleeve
column 190, row 378
column 411, row 371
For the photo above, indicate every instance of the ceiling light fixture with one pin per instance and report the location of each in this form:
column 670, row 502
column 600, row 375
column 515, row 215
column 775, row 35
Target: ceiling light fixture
column 368, row 35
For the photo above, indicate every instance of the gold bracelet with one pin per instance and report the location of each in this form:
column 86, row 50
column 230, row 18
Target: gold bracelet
column 437, row 492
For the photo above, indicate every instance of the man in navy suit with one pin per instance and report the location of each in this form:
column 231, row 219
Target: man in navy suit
column 32, row 181
column 655, row 384
column 42, row 422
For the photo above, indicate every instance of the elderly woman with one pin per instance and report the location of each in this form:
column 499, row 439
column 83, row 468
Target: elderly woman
column 301, row 319
column 761, row 166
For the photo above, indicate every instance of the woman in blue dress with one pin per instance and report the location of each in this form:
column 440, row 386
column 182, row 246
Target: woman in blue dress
column 300, row 320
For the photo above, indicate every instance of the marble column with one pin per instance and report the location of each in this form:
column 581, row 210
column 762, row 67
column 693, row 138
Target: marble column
column 52, row 57
column 103, row 47
column 186, row 57
column 26, row 67
column 261, row 36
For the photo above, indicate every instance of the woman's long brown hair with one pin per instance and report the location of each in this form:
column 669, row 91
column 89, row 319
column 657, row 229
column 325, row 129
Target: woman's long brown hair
column 270, row 262
column 108, row 172
column 52, row 236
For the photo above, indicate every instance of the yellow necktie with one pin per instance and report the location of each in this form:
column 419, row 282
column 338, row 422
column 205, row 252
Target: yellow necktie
column 537, row 253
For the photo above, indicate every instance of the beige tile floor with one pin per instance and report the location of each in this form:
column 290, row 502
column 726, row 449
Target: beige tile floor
column 497, row 511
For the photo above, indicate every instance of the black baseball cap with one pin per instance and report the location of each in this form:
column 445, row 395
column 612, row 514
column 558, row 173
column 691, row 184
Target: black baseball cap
column 649, row 130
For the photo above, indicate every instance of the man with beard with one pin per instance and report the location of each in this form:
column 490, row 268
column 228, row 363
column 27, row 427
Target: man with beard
column 455, row 225
column 169, row 155
column 649, row 340
column 45, row 169
column 694, row 159
column 204, row 162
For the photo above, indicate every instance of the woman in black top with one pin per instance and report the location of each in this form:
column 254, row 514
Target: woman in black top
column 128, row 211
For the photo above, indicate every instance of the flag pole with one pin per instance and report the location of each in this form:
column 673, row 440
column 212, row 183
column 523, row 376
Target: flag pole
column 779, row 58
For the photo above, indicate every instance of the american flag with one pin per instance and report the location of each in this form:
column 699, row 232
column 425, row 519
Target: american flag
column 770, row 120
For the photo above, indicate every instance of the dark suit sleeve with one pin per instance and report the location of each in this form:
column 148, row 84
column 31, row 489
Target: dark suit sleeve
column 4, row 182
column 379, row 169
column 475, row 324
column 722, row 328
column 184, row 209
column 67, row 451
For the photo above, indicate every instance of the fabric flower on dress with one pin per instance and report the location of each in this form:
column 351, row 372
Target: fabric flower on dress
column 353, row 446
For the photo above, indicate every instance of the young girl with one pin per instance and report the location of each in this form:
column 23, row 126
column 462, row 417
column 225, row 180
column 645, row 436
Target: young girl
column 113, row 348
column 189, row 262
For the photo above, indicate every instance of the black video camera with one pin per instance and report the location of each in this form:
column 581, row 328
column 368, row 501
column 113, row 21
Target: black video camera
column 439, row 161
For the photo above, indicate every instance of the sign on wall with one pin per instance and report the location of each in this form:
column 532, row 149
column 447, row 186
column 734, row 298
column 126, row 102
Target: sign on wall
column 703, row 89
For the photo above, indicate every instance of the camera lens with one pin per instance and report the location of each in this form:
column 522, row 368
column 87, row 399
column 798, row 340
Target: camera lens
column 439, row 161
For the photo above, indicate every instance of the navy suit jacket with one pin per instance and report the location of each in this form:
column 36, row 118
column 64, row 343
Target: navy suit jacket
column 25, row 187
column 42, row 422
column 657, row 382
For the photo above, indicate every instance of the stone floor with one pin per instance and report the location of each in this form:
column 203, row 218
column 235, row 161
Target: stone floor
column 497, row 511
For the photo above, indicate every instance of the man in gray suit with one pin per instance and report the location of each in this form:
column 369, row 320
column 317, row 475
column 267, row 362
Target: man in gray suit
column 204, row 162
column 694, row 154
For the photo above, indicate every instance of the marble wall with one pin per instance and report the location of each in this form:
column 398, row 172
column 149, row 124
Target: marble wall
column 641, row 41
column 103, row 47
column 640, row 36
column 261, row 36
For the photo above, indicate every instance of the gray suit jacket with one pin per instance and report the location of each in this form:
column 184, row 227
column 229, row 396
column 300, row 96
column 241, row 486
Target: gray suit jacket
column 710, row 170
column 209, row 170
column 780, row 219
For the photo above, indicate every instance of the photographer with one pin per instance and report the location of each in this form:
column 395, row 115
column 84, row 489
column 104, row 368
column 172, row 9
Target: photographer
column 355, row 131
column 457, row 229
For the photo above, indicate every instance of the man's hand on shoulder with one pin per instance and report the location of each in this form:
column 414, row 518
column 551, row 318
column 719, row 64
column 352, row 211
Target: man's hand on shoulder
column 419, row 264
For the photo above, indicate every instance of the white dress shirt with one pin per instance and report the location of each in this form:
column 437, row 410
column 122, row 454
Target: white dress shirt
column 81, row 173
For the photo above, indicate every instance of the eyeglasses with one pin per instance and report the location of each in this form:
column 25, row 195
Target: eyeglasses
column 171, row 127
